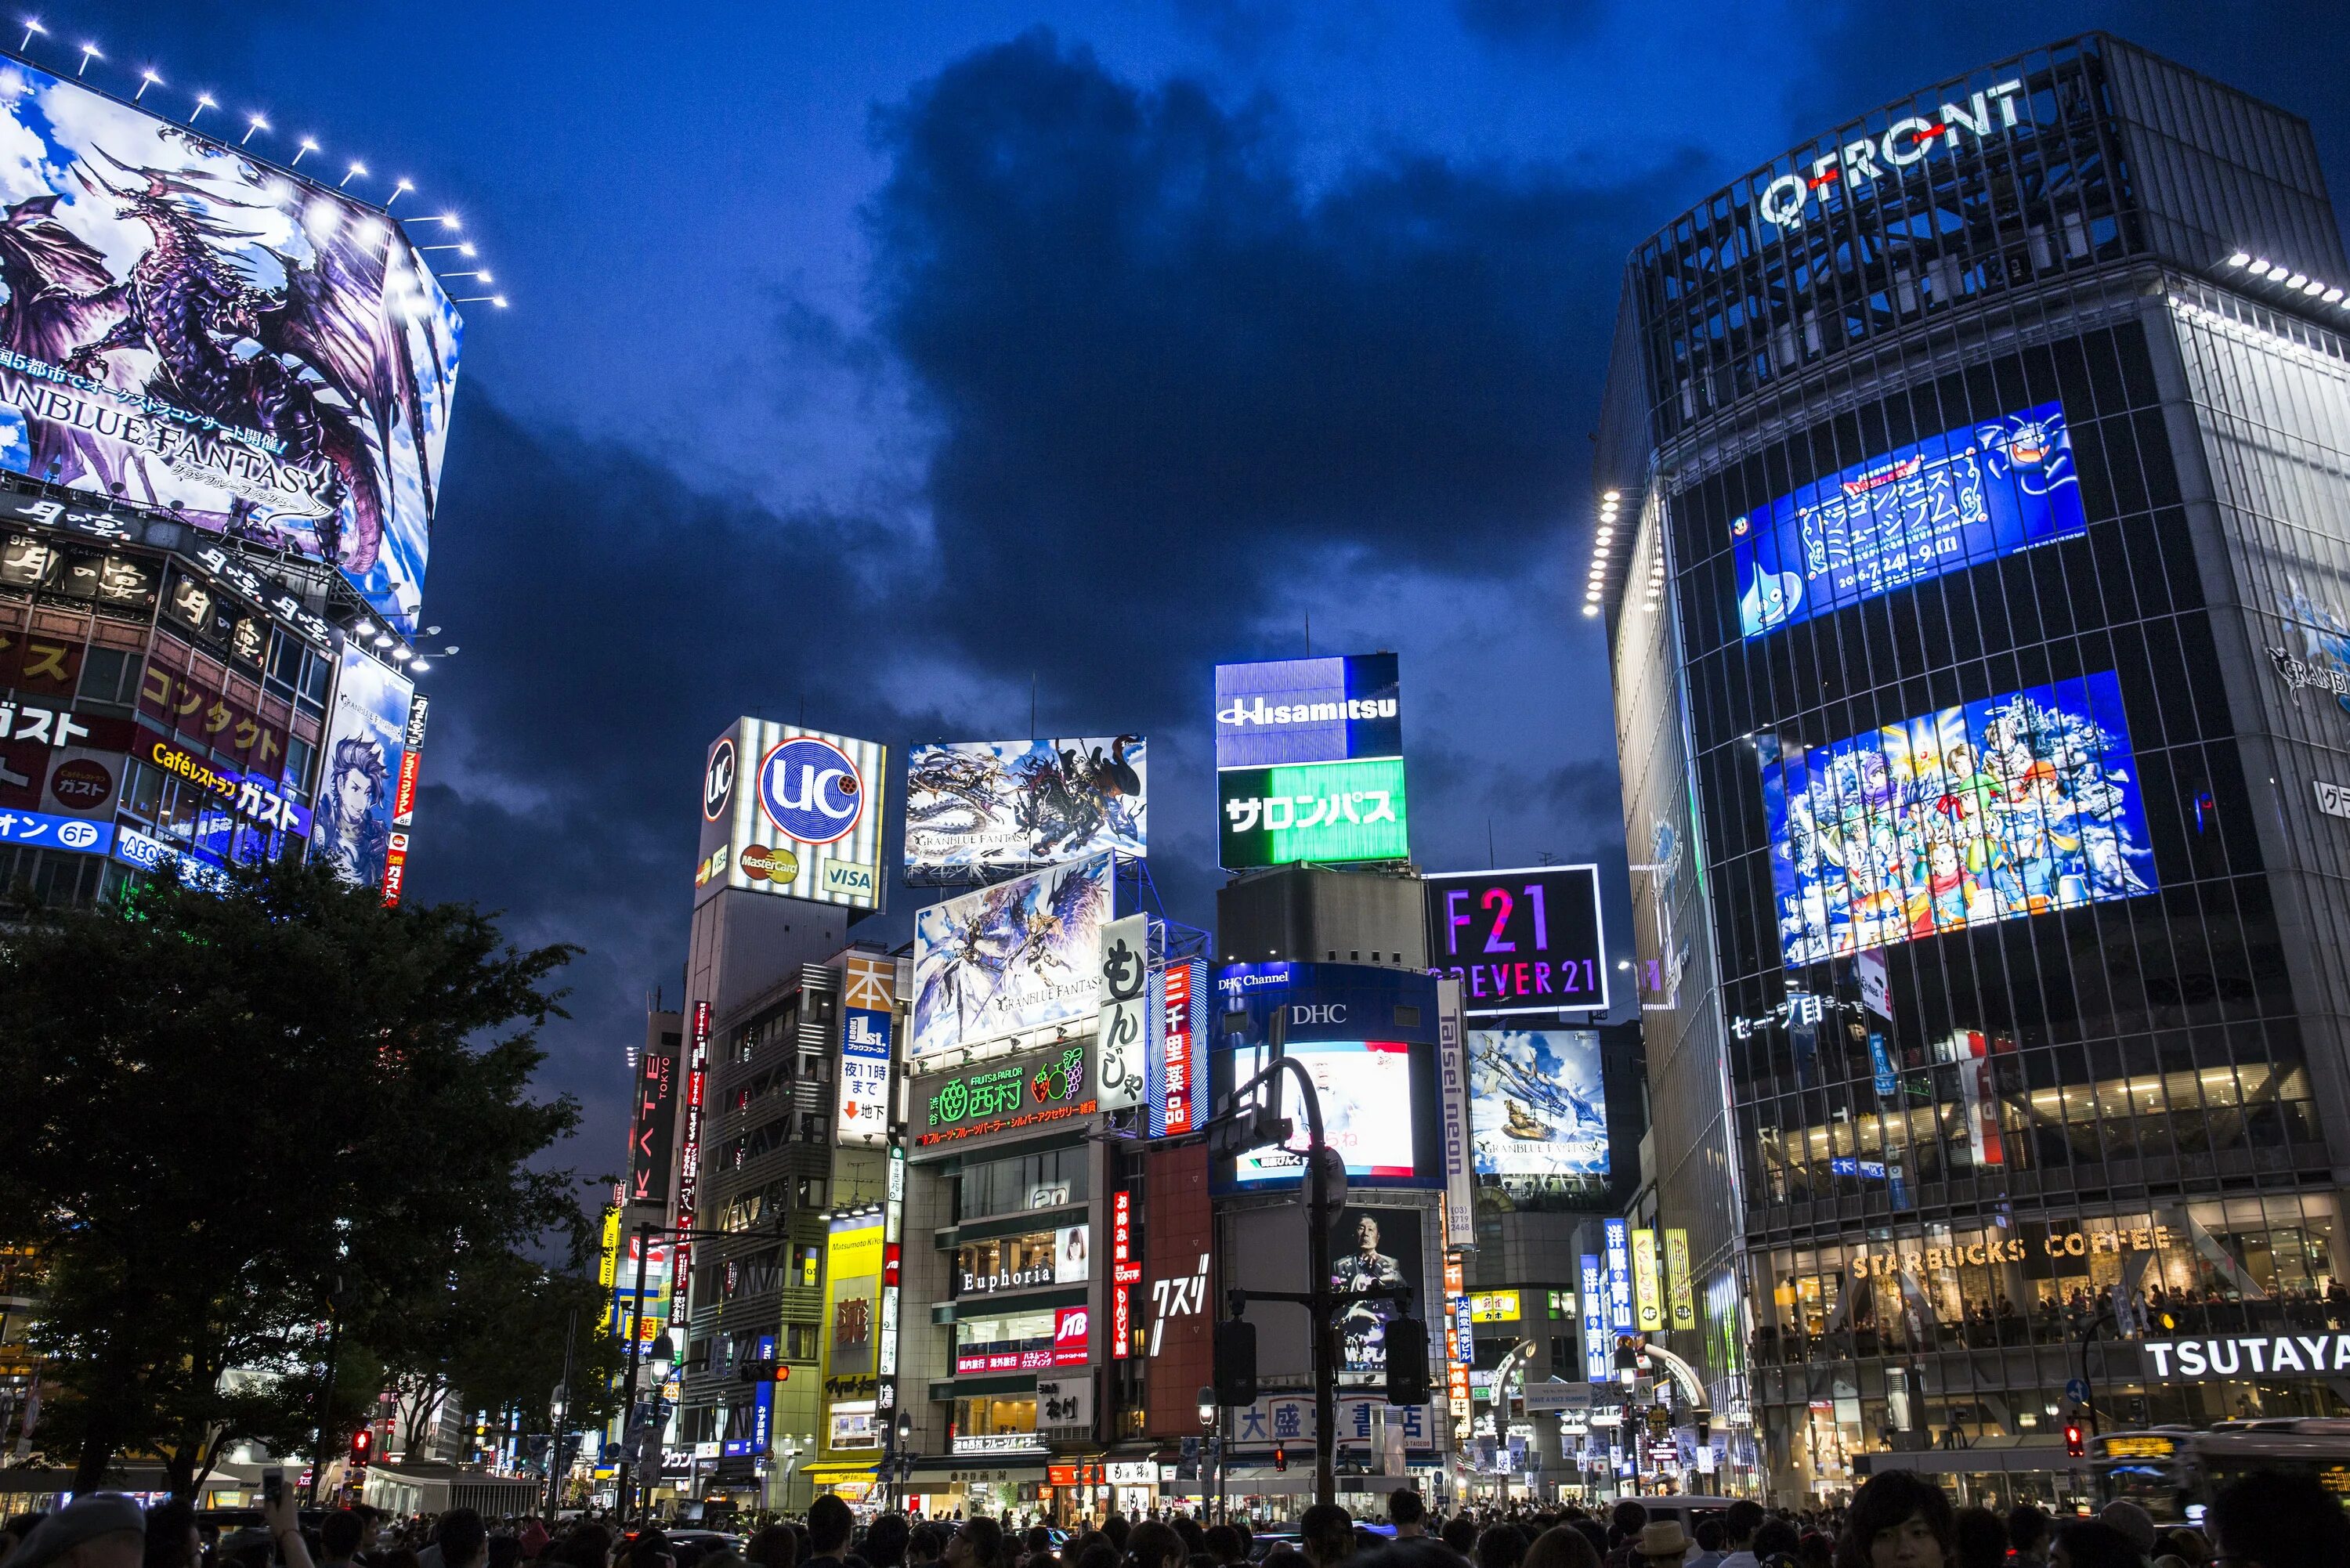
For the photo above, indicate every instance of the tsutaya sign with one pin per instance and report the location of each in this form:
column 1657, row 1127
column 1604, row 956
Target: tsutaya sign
column 1788, row 200
column 2251, row 1355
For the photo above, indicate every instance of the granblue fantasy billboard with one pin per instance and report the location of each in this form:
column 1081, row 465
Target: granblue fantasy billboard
column 2017, row 804
column 1941, row 504
column 980, row 809
column 194, row 331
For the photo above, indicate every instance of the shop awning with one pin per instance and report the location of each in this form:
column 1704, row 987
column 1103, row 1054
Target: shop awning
column 834, row 1474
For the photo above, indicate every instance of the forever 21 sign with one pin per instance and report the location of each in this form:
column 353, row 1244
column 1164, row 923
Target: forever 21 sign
column 1527, row 940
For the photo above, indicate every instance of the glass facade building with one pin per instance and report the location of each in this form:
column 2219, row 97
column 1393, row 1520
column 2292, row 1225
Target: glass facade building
column 1977, row 574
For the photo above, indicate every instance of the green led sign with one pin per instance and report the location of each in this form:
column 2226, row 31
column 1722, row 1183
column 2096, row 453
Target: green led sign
column 1312, row 811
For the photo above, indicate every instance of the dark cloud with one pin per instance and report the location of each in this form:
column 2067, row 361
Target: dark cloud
column 1160, row 362
column 1542, row 23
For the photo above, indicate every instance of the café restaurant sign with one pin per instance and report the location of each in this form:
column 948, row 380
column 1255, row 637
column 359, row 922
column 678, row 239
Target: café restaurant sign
column 1009, row 1095
column 2011, row 1249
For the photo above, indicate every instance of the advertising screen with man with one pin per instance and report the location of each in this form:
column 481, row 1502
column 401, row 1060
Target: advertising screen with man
column 1374, row 1249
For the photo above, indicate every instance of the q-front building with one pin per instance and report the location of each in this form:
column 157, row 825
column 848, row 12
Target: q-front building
column 1971, row 531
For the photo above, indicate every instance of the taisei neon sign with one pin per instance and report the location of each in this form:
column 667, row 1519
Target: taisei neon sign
column 1787, row 199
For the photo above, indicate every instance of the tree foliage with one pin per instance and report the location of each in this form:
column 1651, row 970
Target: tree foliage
column 237, row 1115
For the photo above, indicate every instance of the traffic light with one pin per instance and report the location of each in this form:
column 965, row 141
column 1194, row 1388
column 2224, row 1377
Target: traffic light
column 2074, row 1447
column 1281, row 1456
column 362, row 1447
column 1236, row 1362
column 1406, row 1347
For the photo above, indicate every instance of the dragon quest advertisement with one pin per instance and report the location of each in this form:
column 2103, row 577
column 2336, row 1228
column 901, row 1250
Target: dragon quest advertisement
column 979, row 809
column 198, row 333
column 1005, row 961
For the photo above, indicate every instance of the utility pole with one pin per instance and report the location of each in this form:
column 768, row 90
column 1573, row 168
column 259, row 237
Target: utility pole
column 326, row 1395
column 562, row 1413
column 645, row 1233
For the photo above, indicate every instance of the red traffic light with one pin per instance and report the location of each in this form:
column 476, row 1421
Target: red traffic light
column 2073, row 1444
column 362, row 1444
column 1281, row 1456
column 783, row 1373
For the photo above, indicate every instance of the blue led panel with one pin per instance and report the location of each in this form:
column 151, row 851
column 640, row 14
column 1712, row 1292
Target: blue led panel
column 1949, row 501
column 2014, row 805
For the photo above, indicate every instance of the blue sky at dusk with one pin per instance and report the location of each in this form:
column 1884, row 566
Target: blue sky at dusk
column 869, row 362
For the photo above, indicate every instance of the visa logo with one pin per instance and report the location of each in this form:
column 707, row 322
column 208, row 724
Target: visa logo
column 841, row 877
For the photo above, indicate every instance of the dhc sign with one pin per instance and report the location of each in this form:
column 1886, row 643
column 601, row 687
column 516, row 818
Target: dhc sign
column 2249, row 1355
column 1788, row 200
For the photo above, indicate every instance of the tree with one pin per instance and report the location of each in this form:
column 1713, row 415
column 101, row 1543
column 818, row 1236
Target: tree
column 241, row 1115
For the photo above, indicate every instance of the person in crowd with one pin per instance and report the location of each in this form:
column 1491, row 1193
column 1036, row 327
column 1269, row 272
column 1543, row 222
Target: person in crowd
column 1708, row 1535
column 1459, row 1532
column 829, row 1526
column 2272, row 1520
column 1739, row 1521
column 1982, row 1538
column 1224, row 1546
column 2136, row 1524
column 2093, row 1543
column 1898, row 1520
column 1661, row 1544
column 774, row 1546
column 2027, row 1536
column 1326, row 1533
column 1776, row 1543
column 1625, row 1522
column 885, row 1538
column 978, row 1543
column 1153, row 1544
column 923, row 1544
column 173, row 1538
column 1501, row 1546
column 1562, row 1546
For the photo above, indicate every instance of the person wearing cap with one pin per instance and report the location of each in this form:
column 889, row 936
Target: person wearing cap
column 1661, row 1544
column 97, row 1530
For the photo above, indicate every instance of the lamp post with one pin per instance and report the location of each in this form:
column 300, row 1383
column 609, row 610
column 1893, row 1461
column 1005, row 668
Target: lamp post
column 1208, row 1411
column 664, row 1356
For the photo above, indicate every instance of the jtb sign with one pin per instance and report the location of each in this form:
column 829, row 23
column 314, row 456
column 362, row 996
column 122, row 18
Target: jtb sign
column 1520, row 942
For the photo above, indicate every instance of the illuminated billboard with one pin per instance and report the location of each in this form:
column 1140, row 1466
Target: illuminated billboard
column 1319, row 811
column 1007, row 960
column 1309, row 762
column 978, row 809
column 792, row 811
column 1365, row 1087
column 1538, row 1109
column 193, row 331
column 1307, row 711
column 366, row 730
column 1940, row 504
column 2017, row 804
column 1370, row 1248
column 869, row 1019
column 1519, row 941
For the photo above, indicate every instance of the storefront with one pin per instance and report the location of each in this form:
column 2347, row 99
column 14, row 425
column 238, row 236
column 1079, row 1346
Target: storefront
column 852, row 1483
column 1010, row 1488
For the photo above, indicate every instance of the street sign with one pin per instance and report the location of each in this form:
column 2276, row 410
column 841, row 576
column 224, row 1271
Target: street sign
column 2077, row 1390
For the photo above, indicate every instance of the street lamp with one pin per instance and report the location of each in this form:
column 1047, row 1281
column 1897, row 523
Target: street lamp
column 1212, row 1449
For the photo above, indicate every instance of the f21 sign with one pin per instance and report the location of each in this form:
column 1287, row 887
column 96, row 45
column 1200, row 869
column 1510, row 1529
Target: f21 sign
column 1527, row 940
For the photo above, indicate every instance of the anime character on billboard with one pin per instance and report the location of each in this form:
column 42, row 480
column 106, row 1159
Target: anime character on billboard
column 1011, row 803
column 1016, row 956
column 361, row 753
column 2015, row 805
column 193, row 331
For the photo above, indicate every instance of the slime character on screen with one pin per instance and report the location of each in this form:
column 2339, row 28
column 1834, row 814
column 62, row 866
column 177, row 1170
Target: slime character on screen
column 1365, row 1323
column 352, row 837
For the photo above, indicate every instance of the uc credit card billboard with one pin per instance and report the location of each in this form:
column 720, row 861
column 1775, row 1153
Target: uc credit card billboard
column 1367, row 1038
column 792, row 811
column 1309, row 760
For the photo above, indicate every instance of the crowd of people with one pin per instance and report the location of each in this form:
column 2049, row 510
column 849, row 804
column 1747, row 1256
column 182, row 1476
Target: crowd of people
column 1895, row 1521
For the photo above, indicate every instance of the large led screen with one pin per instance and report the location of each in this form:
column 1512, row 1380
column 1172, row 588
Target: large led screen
column 1019, row 956
column 1365, row 1087
column 792, row 811
column 2014, row 805
column 1944, row 504
column 1308, row 711
column 1538, row 1109
column 193, row 331
column 366, row 733
column 976, row 809
column 1312, row 811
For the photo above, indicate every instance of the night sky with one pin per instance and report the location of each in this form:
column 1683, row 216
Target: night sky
column 869, row 362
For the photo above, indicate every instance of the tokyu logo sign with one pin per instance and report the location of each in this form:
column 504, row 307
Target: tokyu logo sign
column 1789, row 199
